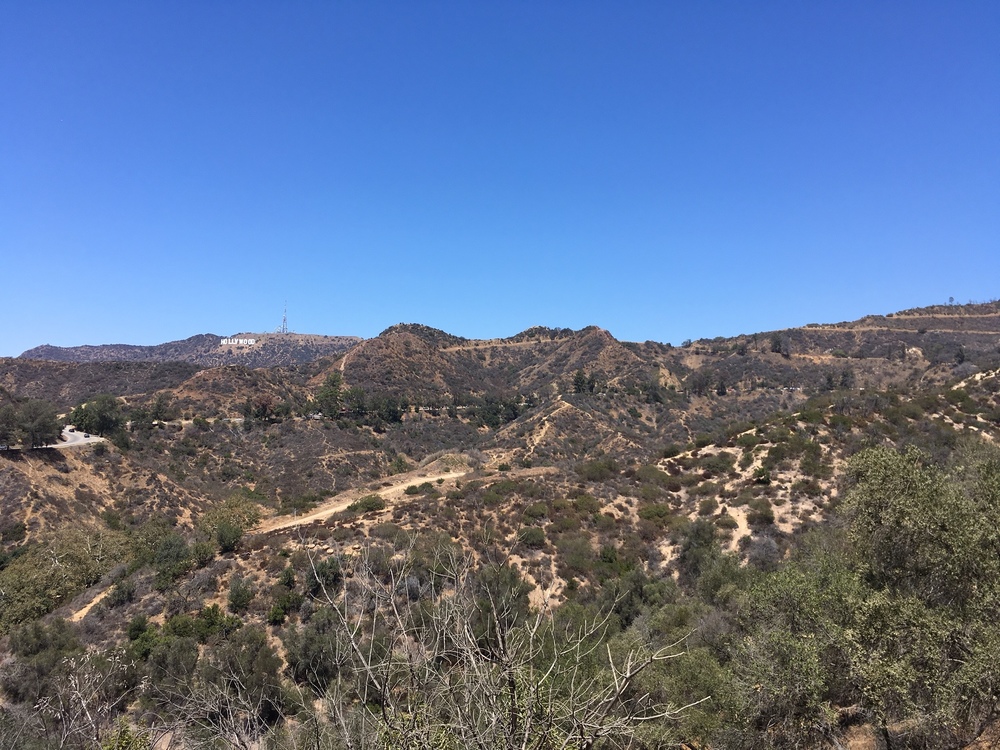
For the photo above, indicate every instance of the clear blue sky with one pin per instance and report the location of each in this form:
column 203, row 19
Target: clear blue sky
column 665, row 170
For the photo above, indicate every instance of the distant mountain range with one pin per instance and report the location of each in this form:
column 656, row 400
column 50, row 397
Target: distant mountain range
column 208, row 350
column 743, row 377
column 690, row 484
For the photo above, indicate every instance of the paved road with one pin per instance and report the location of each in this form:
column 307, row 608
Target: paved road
column 75, row 438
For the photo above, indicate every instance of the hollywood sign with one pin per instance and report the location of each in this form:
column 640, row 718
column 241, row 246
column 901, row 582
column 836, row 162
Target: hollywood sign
column 238, row 342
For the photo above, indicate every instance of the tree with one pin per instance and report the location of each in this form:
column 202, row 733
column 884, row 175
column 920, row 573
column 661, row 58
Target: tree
column 10, row 427
column 920, row 532
column 161, row 410
column 466, row 664
column 38, row 423
column 781, row 345
column 228, row 535
column 928, row 629
column 387, row 407
column 698, row 382
column 355, row 400
column 241, row 593
column 329, row 397
column 101, row 415
column 795, row 652
column 230, row 697
column 83, row 706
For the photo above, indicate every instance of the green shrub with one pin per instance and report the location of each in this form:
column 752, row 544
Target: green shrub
column 14, row 531
column 661, row 514
column 137, row 626
column 121, row 593
column 598, row 470
column 807, row 487
column 650, row 492
column 652, row 475
column 391, row 533
column 708, row 506
column 240, row 510
column 171, row 560
column 563, row 523
column 587, row 504
column 325, row 577
column 241, row 593
column 605, row 522
column 299, row 503
column 811, row 416
column 720, row 463
column 276, row 615
column 708, row 489
column 399, row 465
column 726, row 521
column 368, row 504
column 670, row 451
column 505, row 487
column 228, row 535
column 491, row 498
column 689, row 480
column 532, row 537
column 760, row 513
column 202, row 553
column 576, row 555
column 536, row 511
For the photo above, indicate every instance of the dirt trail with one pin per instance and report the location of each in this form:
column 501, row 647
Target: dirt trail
column 537, row 438
column 890, row 329
column 499, row 343
column 339, row 503
column 82, row 612
column 343, row 360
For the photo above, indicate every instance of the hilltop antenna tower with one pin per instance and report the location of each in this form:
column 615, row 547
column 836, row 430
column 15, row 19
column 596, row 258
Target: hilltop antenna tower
column 284, row 321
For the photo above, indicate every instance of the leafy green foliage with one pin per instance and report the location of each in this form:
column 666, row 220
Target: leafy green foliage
column 53, row 570
column 598, row 470
column 329, row 398
column 240, row 510
column 317, row 651
column 325, row 577
column 241, row 593
column 367, row 504
column 102, row 415
column 37, row 424
column 228, row 535
column 39, row 649
column 532, row 537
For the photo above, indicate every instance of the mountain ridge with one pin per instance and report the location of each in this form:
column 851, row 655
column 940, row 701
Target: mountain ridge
column 207, row 350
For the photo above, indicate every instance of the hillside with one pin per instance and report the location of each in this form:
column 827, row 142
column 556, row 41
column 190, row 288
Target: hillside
column 705, row 494
column 67, row 384
column 208, row 350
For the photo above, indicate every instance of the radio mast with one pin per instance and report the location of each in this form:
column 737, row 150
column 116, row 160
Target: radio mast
column 284, row 321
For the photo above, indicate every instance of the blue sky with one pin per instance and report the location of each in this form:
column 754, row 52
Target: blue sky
column 665, row 170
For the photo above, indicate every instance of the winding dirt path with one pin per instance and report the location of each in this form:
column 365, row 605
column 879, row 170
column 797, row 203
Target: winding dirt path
column 537, row 438
column 393, row 492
